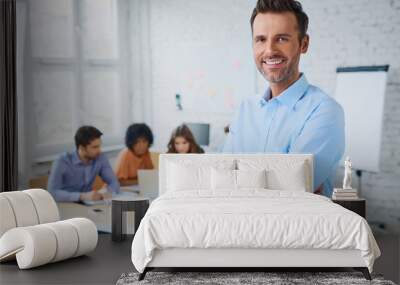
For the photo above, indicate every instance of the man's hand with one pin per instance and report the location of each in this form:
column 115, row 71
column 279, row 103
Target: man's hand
column 319, row 190
column 90, row 196
column 106, row 195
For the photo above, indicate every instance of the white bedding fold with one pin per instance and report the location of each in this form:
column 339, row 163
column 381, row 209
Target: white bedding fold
column 250, row 219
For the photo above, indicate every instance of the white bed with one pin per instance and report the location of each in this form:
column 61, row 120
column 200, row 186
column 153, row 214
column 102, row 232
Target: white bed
column 201, row 220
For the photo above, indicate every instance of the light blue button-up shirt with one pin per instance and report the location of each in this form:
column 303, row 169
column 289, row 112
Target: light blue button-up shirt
column 69, row 176
column 302, row 119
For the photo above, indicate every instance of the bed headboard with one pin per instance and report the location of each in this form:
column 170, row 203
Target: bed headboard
column 211, row 158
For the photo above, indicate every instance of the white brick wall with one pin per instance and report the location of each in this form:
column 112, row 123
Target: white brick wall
column 363, row 32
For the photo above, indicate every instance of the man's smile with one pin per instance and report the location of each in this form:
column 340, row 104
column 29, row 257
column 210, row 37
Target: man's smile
column 276, row 62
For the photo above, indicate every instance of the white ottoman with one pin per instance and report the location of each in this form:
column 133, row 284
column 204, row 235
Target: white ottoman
column 31, row 233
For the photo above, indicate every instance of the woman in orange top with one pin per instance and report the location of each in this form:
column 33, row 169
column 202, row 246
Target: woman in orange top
column 183, row 141
column 136, row 156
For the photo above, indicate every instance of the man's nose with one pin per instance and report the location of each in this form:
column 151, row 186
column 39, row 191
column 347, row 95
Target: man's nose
column 270, row 48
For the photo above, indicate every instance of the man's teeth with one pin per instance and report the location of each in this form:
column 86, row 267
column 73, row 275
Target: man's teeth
column 273, row 61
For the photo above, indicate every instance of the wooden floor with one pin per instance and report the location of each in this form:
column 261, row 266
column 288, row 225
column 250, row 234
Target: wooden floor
column 111, row 259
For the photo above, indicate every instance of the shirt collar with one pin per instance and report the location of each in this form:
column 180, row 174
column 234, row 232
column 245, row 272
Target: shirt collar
column 75, row 158
column 291, row 95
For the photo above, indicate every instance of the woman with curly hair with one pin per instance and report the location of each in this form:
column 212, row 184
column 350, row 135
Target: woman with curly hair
column 136, row 155
column 182, row 141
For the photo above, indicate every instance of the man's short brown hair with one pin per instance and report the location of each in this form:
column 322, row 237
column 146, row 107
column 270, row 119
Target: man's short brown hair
column 281, row 6
column 85, row 135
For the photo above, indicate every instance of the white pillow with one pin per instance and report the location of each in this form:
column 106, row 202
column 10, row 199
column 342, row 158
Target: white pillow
column 188, row 174
column 226, row 179
column 223, row 179
column 281, row 174
column 293, row 178
column 251, row 178
column 183, row 178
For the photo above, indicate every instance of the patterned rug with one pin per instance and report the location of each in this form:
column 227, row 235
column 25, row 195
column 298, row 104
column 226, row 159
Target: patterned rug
column 273, row 278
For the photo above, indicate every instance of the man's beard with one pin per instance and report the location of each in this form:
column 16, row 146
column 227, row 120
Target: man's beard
column 284, row 75
column 92, row 157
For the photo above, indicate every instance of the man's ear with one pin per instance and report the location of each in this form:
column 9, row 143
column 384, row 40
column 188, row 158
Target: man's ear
column 304, row 43
column 81, row 148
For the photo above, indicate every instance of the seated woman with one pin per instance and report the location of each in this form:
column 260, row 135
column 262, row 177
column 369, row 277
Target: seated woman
column 136, row 156
column 182, row 141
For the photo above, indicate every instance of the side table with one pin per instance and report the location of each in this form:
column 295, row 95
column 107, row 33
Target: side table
column 120, row 205
column 357, row 205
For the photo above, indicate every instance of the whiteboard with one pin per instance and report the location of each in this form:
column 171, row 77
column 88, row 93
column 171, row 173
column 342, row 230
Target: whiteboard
column 361, row 92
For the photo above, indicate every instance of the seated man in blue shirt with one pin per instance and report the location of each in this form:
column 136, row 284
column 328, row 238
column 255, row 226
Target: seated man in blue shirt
column 73, row 174
column 292, row 116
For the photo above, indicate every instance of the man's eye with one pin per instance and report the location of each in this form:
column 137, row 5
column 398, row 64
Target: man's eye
column 282, row 39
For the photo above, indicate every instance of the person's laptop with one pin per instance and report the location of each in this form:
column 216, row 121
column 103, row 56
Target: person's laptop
column 148, row 183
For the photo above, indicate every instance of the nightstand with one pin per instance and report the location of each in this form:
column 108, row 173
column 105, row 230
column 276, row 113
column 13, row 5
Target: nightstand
column 357, row 205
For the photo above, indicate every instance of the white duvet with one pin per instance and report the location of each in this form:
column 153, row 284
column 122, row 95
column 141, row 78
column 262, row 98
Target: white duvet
column 250, row 219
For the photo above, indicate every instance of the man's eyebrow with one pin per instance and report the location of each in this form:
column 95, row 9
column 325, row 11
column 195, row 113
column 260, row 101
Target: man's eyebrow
column 258, row 37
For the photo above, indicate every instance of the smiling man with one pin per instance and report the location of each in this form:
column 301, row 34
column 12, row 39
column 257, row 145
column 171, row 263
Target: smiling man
column 292, row 116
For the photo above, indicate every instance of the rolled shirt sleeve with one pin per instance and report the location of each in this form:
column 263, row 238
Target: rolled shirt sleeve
column 108, row 176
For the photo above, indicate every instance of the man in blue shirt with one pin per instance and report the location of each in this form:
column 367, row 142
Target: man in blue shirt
column 73, row 174
column 292, row 116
